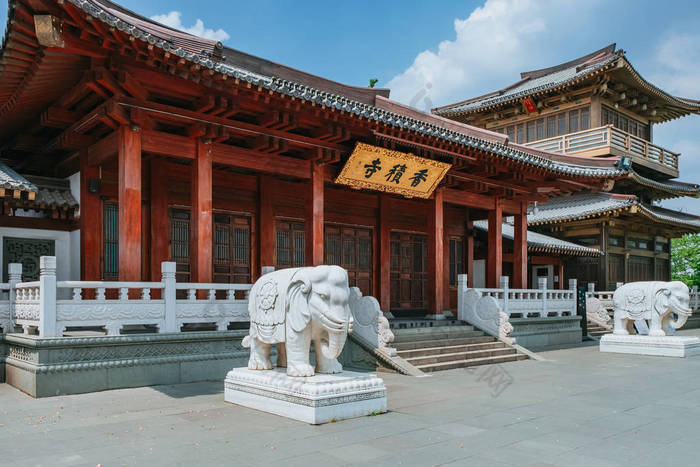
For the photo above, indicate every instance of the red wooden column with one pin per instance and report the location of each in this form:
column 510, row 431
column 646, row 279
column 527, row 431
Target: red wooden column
column 384, row 262
column 561, row 275
column 201, row 217
column 314, row 217
column 160, row 250
column 470, row 253
column 90, row 223
column 520, row 249
column 129, row 150
column 495, row 262
column 266, row 223
column 436, row 254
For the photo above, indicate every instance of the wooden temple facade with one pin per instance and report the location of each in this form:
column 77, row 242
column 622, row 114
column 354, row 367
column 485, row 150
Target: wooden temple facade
column 598, row 107
column 224, row 163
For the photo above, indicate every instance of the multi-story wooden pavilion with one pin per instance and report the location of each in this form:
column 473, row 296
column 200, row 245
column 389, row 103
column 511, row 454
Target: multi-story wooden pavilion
column 598, row 107
column 223, row 162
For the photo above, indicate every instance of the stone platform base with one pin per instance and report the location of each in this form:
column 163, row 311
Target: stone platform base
column 74, row 365
column 534, row 333
column 666, row 346
column 316, row 399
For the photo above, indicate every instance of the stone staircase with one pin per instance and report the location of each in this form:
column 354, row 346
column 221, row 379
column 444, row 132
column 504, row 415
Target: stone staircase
column 596, row 330
column 453, row 346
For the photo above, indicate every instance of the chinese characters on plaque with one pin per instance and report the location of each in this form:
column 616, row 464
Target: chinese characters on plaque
column 375, row 168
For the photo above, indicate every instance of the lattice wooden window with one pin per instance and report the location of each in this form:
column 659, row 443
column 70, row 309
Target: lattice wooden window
column 232, row 249
column 110, row 267
column 291, row 244
column 180, row 243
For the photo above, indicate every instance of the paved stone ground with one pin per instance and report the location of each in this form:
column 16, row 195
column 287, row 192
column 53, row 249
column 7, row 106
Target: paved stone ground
column 579, row 407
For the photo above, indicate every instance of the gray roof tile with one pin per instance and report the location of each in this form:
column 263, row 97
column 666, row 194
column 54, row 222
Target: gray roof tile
column 106, row 12
column 11, row 180
column 537, row 242
column 586, row 205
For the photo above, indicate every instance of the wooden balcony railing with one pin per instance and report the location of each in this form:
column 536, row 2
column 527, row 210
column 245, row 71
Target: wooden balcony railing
column 610, row 140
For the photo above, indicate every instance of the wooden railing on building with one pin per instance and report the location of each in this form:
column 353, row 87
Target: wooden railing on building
column 608, row 140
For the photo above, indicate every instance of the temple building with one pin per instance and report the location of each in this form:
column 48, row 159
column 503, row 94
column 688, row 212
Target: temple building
column 126, row 143
column 597, row 108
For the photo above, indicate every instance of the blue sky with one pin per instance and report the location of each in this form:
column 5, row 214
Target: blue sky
column 450, row 50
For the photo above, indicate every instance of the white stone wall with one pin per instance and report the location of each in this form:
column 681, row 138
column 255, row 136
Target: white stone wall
column 67, row 255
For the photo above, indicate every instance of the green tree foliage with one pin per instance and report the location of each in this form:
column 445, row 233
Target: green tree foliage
column 685, row 259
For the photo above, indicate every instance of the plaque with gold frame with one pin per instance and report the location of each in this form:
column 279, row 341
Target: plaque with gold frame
column 375, row 168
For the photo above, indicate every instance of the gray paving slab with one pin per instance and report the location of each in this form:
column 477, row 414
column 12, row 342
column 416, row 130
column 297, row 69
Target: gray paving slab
column 579, row 407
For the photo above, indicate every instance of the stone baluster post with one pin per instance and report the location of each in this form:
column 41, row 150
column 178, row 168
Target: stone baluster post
column 591, row 287
column 267, row 269
column 573, row 286
column 47, row 296
column 503, row 285
column 14, row 276
column 462, row 287
column 618, row 285
column 542, row 285
column 695, row 299
column 167, row 269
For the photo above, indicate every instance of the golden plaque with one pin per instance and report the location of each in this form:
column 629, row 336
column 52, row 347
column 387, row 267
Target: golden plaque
column 374, row 168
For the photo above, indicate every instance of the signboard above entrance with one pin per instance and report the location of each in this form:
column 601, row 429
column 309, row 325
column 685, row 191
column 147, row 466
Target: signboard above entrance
column 375, row 168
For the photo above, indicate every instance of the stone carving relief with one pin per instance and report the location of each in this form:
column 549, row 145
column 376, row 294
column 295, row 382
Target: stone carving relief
column 85, row 311
column 597, row 313
column 485, row 313
column 369, row 321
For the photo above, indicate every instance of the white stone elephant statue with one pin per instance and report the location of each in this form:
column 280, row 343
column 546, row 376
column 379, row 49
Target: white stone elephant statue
column 292, row 308
column 653, row 301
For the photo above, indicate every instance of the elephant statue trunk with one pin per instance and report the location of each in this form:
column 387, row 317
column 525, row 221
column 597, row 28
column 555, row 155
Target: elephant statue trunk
column 680, row 320
column 332, row 347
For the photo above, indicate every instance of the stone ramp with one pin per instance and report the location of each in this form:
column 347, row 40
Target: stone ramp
column 452, row 346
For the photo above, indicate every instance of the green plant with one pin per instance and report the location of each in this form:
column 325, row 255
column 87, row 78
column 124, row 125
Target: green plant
column 685, row 259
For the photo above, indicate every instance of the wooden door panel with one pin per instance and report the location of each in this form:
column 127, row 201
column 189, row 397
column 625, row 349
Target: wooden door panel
column 351, row 248
column 409, row 271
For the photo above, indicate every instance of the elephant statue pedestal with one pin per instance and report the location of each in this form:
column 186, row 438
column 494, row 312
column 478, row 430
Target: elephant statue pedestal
column 664, row 346
column 314, row 399
column 665, row 305
column 298, row 310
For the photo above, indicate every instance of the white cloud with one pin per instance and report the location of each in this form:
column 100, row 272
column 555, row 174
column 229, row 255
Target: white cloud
column 493, row 39
column 677, row 61
column 174, row 20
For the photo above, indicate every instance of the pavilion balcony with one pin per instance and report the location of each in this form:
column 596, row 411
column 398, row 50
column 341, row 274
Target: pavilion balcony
column 608, row 140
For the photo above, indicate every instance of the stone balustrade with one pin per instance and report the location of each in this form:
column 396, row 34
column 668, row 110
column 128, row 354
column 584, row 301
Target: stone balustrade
column 530, row 303
column 535, row 317
column 34, row 306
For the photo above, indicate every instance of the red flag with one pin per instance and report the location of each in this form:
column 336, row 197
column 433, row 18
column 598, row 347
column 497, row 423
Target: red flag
column 530, row 105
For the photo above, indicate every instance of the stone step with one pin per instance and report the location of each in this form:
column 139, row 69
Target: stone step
column 599, row 333
column 459, row 356
column 472, row 362
column 447, row 349
column 432, row 329
column 407, row 323
column 410, row 336
column 418, row 344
